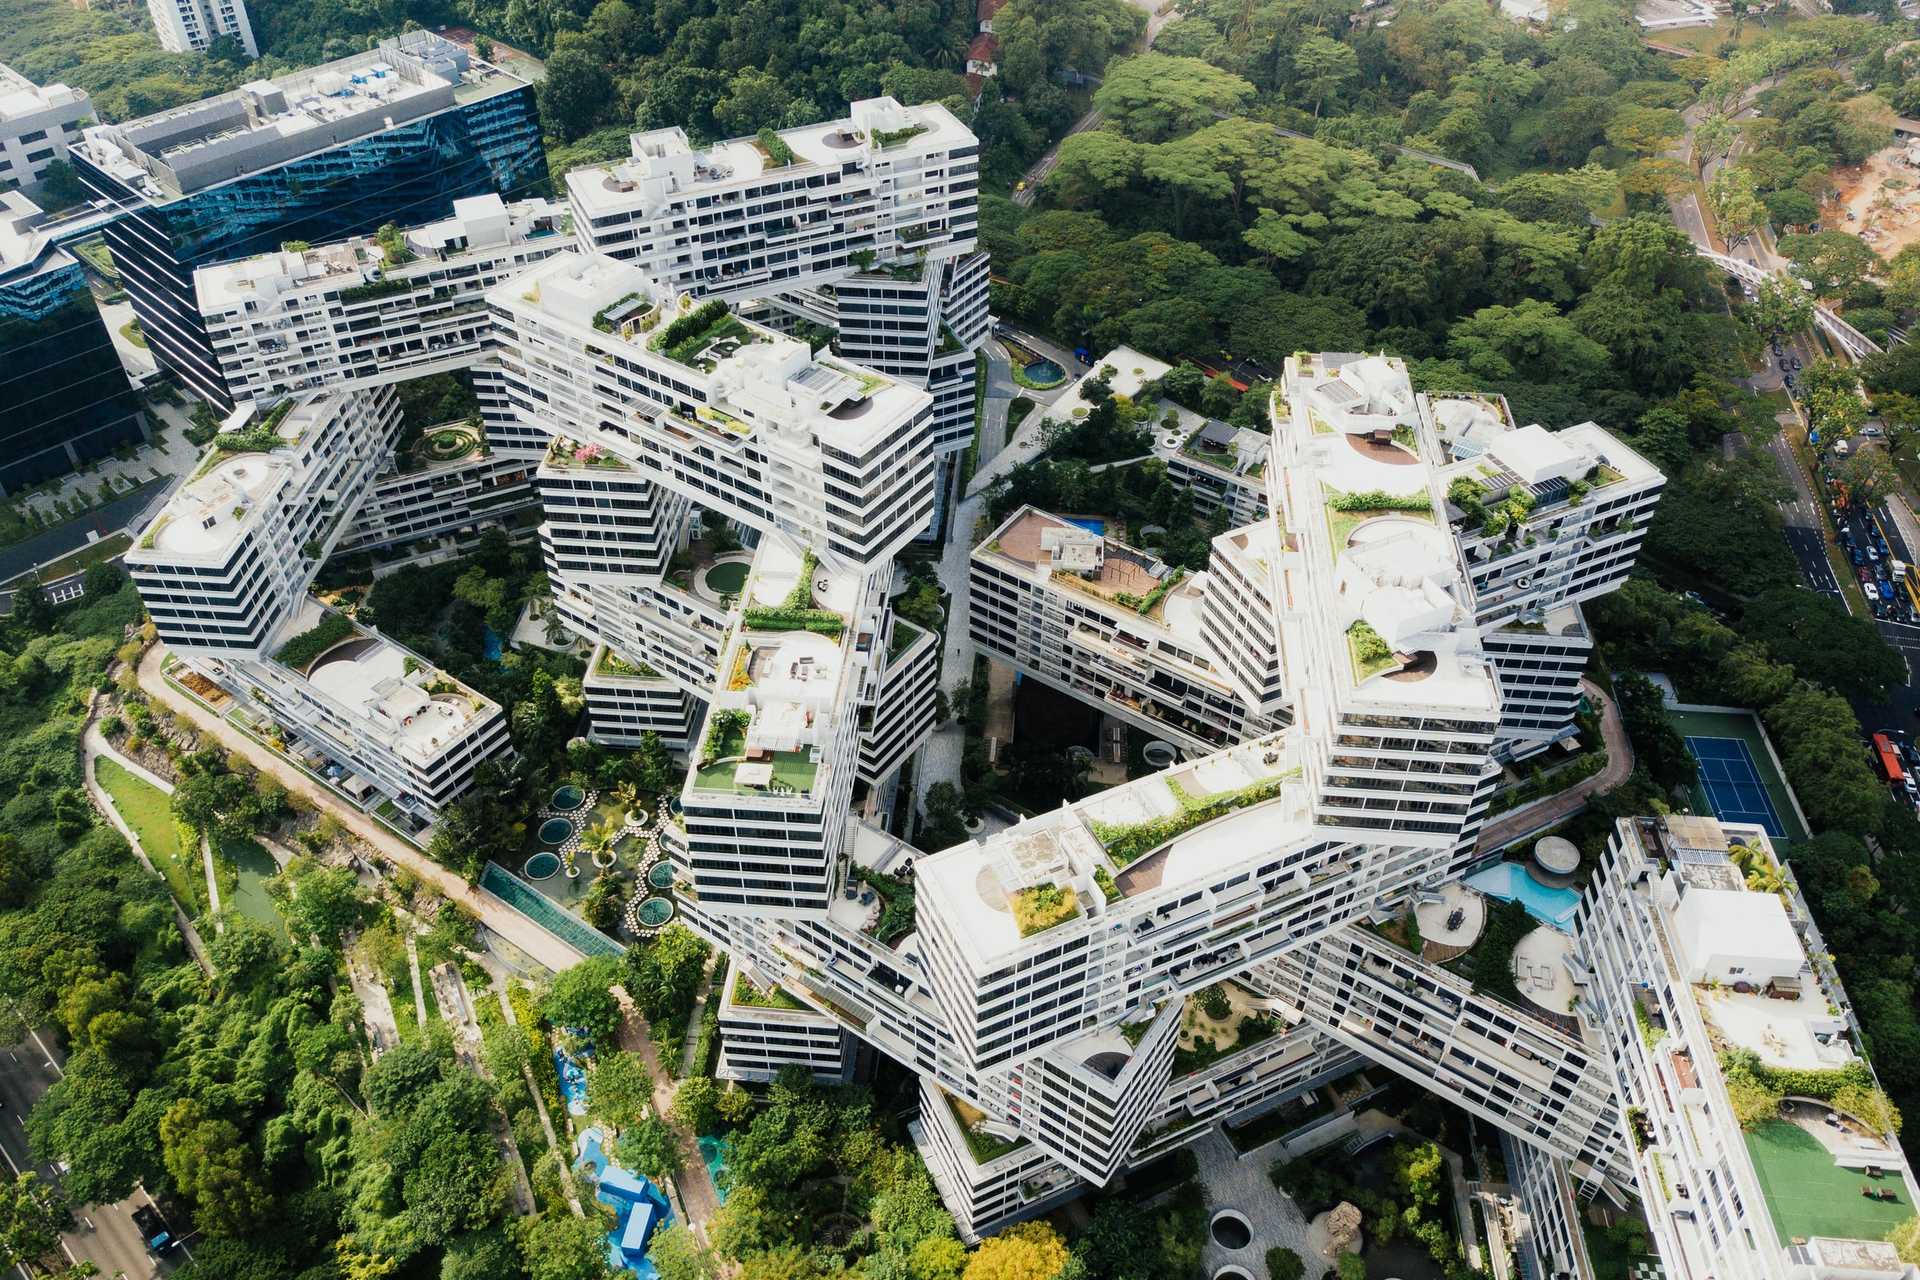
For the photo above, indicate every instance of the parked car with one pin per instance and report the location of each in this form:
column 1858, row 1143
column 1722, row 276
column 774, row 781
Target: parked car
column 1794, row 364
column 1873, row 592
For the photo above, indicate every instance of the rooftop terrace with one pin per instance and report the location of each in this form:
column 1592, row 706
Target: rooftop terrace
column 269, row 122
column 245, row 466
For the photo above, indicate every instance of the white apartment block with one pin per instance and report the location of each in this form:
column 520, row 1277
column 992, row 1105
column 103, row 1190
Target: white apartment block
column 223, row 570
column 36, row 125
column 371, row 310
column 865, row 226
column 426, row 494
column 1697, row 964
column 1107, row 623
column 764, row 1030
column 190, row 26
column 625, row 703
column 1546, row 520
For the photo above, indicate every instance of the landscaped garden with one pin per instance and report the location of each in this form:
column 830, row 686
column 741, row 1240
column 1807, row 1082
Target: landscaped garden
column 146, row 809
column 444, row 444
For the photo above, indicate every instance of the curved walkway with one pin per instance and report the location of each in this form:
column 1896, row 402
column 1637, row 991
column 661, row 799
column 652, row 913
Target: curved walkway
column 1551, row 811
column 497, row 916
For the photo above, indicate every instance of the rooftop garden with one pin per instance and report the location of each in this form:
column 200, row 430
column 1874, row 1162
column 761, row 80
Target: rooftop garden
column 747, row 993
column 686, row 340
column 261, row 437
column 1196, row 448
column 773, row 149
column 797, row 612
column 612, row 664
column 1215, row 1028
column 904, row 635
column 575, row 453
column 615, row 315
column 897, row 912
column 724, row 751
column 300, row 651
column 1371, row 655
column 1489, row 962
column 393, row 243
column 884, row 138
column 1127, row 841
column 1042, row 907
column 375, row 289
column 982, row 1145
column 1348, row 511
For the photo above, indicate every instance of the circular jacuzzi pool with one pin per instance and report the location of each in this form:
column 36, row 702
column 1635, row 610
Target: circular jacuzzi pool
column 660, row 875
column 541, row 865
column 555, row 830
column 655, row 912
column 568, row 797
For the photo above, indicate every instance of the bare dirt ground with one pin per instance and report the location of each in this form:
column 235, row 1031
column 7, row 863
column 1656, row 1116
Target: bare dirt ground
column 1879, row 201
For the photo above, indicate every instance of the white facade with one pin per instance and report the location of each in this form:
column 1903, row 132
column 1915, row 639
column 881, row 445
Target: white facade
column 190, row 26
column 864, row 226
column 224, row 569
column 363, row 312
column 36, row 125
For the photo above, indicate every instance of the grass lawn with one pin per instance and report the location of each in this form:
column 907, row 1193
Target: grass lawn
column 1709, row 39
column 1809, row 1195
column 146, row 809
column 133, row 333
column 728, row 578
column 790, row 767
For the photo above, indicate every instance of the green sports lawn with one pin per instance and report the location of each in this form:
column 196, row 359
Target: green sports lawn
column 1809, row 1195
column 146, row 809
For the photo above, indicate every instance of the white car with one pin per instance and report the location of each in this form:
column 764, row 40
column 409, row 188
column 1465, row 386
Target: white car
column 1873, row 592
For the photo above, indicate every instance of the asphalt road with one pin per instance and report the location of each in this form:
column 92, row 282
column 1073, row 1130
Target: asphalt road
column 103, row 1234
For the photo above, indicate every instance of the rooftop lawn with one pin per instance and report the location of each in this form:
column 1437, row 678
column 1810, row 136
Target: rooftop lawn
column 1809, row 1195
column 789, row 767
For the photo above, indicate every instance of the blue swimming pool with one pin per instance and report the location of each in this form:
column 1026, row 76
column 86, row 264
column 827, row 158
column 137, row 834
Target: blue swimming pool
column 713, row 1153
column 1090, row 524
column 1511, row 882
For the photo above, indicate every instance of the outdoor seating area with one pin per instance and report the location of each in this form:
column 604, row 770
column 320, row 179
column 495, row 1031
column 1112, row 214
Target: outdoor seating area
column 1450, row 921
column 1540, row 971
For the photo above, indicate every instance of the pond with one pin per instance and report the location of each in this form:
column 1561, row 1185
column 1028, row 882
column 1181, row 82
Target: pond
column 555, row 830
column 541, row 865
column 1044, row 373
column 713, row 1153
column 256, row 866
column 568, row 796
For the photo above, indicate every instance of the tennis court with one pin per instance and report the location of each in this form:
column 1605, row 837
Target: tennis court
column 1809, row 1195
column 1732, row 783
column 1738, row 779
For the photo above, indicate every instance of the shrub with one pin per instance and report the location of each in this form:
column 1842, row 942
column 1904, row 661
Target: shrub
column 697, row 321
column 1284, row 1264
column 1379, row 500
column 1042, row 907
column 779, row 154
column 313, row 642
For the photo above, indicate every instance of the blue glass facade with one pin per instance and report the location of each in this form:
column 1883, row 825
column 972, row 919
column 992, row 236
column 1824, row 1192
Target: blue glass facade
column 408, row 174
column 64, row 398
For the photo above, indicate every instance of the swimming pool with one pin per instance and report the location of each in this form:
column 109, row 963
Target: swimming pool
column 1090, row 524
column 1511, row 882
column 713, row 1153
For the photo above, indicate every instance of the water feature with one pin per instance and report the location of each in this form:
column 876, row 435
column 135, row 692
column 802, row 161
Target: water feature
column 1044, row 373
column 256, row 866
column 1092, row 524
column 655, row 912
column 660, row 875
column 555, row 830
column 541, row 865
column 543, row 911
column 713, row 1152
column 568, row 797
column 1510, row 882
column 1230, row 1230
column 490, row 646
column 727, row 579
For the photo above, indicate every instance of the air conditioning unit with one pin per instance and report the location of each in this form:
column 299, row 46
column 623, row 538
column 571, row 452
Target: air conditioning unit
column 1523, row 583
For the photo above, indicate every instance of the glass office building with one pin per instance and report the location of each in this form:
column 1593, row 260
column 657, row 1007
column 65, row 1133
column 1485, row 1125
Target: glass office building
column 64, row 397
column 396, row 134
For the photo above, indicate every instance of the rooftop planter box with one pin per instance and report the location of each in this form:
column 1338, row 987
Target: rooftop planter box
column 1042, row 907
column 300, row 651
column 374, row 289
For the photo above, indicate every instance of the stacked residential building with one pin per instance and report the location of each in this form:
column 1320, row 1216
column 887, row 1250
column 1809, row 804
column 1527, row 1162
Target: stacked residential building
column 224, row 571
column 863, row 228
column 64, row 397
column 37, row 124
column 191, row 26
column 392, row 135
column 1758, row 1144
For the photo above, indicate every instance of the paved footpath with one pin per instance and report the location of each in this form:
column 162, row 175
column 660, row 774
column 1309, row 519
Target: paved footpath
column 1517, row 824
column 495, row 915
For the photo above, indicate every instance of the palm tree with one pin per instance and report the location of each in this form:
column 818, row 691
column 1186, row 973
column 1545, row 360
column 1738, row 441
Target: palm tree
column 627, row 796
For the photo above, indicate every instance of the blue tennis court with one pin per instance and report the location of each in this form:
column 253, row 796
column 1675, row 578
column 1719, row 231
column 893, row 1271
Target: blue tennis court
column 1732, row 783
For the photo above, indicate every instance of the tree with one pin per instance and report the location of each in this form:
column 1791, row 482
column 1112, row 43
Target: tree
column 580, row 999
column 559, row 1246
column 1780, row 307
column 32, row 1216
column 400, row 1078
column 215, row 1168
column 943, row 819
column 102, row 579
column 1868, row 474
column 1153, row 97
column 1831, row 261
column 619, row 1088
column 482, row 1255
column 649, row 1147
column 1906, row 1240
column 696, row 1104
column 1824, row 642
column 1028, row 1251
column 937, row 1258
column 326, row 902
column 1531, row 341
column 1830, row 390
column 1351, row 1267
column 1656, row 746
column 788, row 1262
column 1324, row 66
column 676, row 1254
column 575, row 92
column 1284, row 1264
column 1736, row 208
column 32, row 610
